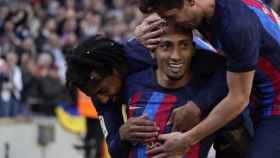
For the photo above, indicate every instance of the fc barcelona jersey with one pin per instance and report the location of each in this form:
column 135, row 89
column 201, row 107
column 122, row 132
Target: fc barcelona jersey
column 145, row 95
column 248, row 33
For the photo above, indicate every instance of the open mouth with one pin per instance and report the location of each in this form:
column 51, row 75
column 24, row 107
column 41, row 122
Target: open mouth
column 175, row 67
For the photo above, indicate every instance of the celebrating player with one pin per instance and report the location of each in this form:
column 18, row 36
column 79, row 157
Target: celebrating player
column 247, row 32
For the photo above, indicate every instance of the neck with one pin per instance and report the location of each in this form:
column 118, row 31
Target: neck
column 165, row 82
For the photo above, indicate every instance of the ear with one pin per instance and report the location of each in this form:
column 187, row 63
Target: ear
column 190, row 2
column 116, row 73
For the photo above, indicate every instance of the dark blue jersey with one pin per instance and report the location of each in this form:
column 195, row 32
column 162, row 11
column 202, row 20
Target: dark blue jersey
column 248, row 33
column 139, row 59
column 143, row 94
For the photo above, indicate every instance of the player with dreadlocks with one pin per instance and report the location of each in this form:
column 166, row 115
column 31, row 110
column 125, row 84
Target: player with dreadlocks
column 98, row 66
column 97, row 61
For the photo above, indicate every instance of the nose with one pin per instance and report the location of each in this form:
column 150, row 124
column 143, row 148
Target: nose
column 175, row 54
column 104, row 99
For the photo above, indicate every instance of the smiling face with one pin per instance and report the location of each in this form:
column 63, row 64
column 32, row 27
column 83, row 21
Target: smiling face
column 174, row 54
column 104, row 88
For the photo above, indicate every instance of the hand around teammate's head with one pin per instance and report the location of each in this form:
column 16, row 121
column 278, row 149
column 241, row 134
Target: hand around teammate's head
column 149, row 31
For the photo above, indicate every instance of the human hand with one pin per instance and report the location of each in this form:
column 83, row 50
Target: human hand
column 175, row 145
column 185, row 117
column 149, row 31
column 139, row 130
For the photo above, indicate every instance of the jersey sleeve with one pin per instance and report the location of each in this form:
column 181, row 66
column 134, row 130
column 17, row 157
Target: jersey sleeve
column 138, row 56
column 213, row 92
column 110, row 118
column 110, row 122
column 241, row 44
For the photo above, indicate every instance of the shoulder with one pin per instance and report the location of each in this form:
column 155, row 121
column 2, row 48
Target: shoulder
column 205, row 63
column 141, row 77
column 236, row 16
column 138, row 82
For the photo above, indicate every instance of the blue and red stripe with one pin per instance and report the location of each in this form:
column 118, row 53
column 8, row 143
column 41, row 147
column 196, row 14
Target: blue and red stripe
column 266, row 18
column 151, row 109
column 133, row 103
column 274, row 76
column 164, row 111
column 261, row 7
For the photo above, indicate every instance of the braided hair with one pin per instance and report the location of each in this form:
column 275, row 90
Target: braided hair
column 96, row 53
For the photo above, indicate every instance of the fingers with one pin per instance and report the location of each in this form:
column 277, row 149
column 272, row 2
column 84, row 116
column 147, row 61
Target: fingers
column 142, row 122
column 163, row 137
column 137, row 140
column 162, row 155
column 153, row 26
column 152, row 18
column 144, row 135
column 144, row 128
column 170, row 121
column 153, row 41
column 149, row 31
column 156, row 150
column 173, row 120
column 153, row 35
column 149, row 140
column 152, row 46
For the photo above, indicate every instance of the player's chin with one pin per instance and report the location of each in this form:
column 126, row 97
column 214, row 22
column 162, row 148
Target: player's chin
column 175, row 76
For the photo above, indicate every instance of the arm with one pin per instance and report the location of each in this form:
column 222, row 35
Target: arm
column 229, row 108
column 241, row 44
column 111, row 120
column 138, row 57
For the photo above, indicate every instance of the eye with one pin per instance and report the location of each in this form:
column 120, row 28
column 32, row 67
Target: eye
column 165, row 45
column 185, row 44
column 102, row 91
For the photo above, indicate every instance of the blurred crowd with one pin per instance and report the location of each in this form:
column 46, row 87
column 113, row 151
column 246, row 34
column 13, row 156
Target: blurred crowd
column 34, row 37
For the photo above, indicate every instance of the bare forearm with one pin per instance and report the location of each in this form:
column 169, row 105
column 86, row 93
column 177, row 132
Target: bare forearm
column 228, row 109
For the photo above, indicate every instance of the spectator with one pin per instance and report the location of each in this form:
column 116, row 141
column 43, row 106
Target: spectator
column 34, row 26
column 91, row 24
column 42, row 98
column 12, row 86
column 56, row 51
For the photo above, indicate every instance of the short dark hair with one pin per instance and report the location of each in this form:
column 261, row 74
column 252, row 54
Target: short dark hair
column 149, row 6
column 97, row 53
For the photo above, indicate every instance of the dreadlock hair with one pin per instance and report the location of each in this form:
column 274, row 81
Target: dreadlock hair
column 96, row 53
column 150, row 6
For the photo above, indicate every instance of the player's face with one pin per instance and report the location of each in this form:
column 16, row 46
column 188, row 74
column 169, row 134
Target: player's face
column 174, row 55
column 105, row 89
column 188, row 16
